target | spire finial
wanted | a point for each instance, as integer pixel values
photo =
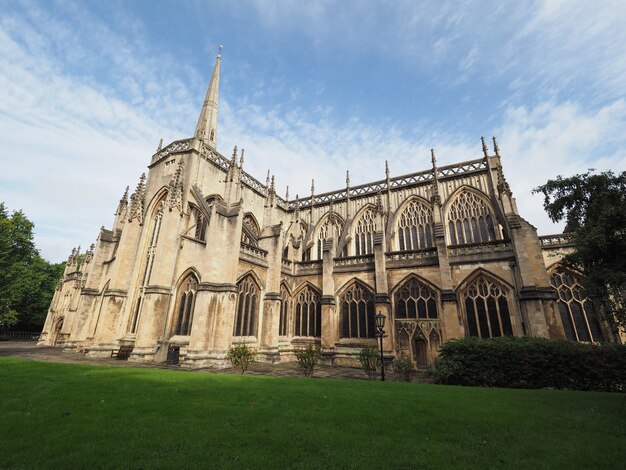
(348, 178)
(160, 145)
(312, 187)
(219, 50)
(267, 179)
(234, 159)
(287, 194)
(241, 159)
(485, 151)
(387, 169)
(273, 185)
(496, 149)
(206, 128)
(433, 159)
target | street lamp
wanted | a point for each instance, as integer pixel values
(380, 333)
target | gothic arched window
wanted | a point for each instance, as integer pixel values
(185, 305)
(285, 303)
(487, 309)
(199, 224)
(331, 228)
(308, 313)
(358, 317)
(250, 230)
(247, 308)
(470, 220)
(415, 300)
(415, 227)
(364, 233)
(580, 321)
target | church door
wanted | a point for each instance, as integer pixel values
(420, 352)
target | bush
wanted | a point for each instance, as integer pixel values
(529, 362)
(369, 360)
(308, 357)
(241, 356)
(404, 367)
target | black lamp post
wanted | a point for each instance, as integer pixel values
(380, 333)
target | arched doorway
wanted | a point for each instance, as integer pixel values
(420, 350)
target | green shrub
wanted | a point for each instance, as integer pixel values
(530, 362)
(241, 356)
(369, 359)
(308, 357)
(404, 367)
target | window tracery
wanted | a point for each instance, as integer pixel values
(416, 300)
(579, 319)
(308, 313)
(199, 224)
(329, 229)
(470, 220)
(247, 308)
(415, 227)
(358, 312)
(186, 303)
(250, 230)
(364, 233)
(487, 309)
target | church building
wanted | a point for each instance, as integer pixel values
(202, 256)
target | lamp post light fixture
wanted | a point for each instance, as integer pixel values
(380, 333)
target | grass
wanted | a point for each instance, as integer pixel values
(76, 416)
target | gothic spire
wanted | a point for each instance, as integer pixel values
(206, 129)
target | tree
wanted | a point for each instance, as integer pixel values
(594, 207)
(27, 281)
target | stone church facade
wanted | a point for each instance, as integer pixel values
(202, 256)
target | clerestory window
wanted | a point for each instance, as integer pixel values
(470, 220)
(415, 227)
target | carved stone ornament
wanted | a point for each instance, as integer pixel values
(136, 208)
(175, 187)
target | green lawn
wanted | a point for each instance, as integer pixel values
(75, 416)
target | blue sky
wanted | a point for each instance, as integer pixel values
(309, 89)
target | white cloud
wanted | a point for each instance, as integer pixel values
(83, 104)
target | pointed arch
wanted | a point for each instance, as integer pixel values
(470, 217)
(260, 284)
(362, 229)
(190, 270)
(415, 298)
(327, 228)
(246, 316)
(486, 300)
(414, 224)
(250, 229)
(285, 309)
(153, 206)
(186, 291)
(578, 316)
(357, 310)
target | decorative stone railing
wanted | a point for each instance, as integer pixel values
(176, 146)
(309, 265)
(254, 251)
(411, 255)
(354, 260)
(287, 263)
(557, 240)
(480, 248)
(411, 179)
